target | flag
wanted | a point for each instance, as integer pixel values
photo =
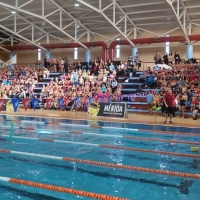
(25, 103)
(110, 99)
(118, 98)
(102, 99)
(12, 61)
(1, 103)
(15, 103)
(48, 102)
(66, 102)
(76, 100)
(131, 97)
(90, 100)
(34, 103)
(60, 103)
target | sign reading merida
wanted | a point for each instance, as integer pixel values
(117, 110)
(113, 108)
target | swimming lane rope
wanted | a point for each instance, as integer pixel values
(105, 164)
(60, 189)
(111, 147)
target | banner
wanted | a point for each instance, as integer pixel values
(48, 103)
(26, 103)
(15, 103)
(1, 104)
(107, 109)
(60, 103)
(12, 61)
(34, 103)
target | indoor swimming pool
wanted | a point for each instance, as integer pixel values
(94, 159)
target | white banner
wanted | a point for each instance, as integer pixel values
(12, 61)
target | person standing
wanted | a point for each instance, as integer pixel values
(177, 58)
(66, 69)
(170, 58)
(137, 60)
(149, 99)
(157, 58)
(165, 58)
(169, 101)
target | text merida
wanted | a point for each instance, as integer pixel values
(113, 108)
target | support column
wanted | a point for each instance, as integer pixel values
(11, 56)
(189, 51)
(88, 55)
(134, 51)
(48, 55)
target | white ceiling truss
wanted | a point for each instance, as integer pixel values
(123, 21)
(49, 21)
(182, 16)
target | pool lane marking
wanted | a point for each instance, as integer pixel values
(104, 164)
(125, 136)
(111, 147)
(140, 138)
(107, 127)
(60, 189)
(35, 122)
(65, 124)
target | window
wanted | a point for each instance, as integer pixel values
(118, 50)
(39, 54)
(75, 53)
(167, 46)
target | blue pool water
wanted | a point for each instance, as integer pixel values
(110, 181)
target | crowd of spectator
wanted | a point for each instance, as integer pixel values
(80, 79)
(97, 79)
(182, 77)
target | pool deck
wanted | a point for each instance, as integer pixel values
(132, 118)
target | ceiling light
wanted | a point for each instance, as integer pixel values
(76, 4)
(13, 12)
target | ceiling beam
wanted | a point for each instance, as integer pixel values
(112, 21)
(142, 4)
(20, 36)
(146, 11)
(17, 9)
(186, 20)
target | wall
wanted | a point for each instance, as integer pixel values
(146, 51)
(4, 56)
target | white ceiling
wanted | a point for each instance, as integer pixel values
(148, 15)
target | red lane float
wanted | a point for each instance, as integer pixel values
(53, 123)
(17, 121)
(45, 140)
(151, 151)
(75, 132)
(130, 148)
(29, 128)
(63, 189)
(142, 169)
(105, 164)
(95, 126)
(170, 132)
(161, 140)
